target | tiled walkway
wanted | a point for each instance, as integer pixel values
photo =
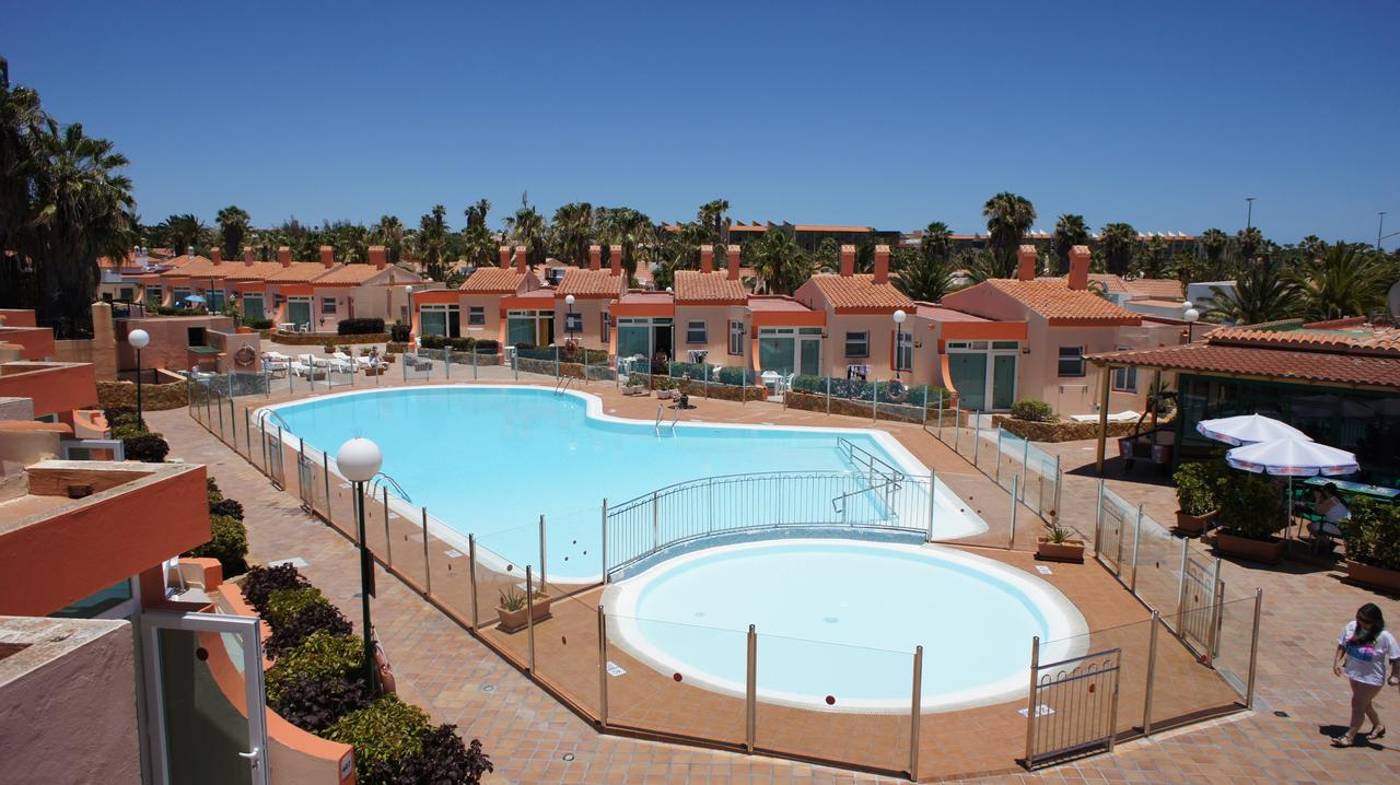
(534, 739)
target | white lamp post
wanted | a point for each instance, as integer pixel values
(569, 319)
(359, 460)
(138, 339)
(1191, 315)
(899, 317)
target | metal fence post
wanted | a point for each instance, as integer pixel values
(556, 362)
(1059, 481)
(751, 692)
(957, 424)
(388, 539)
(1137, 544)
(1025, 464)
(1000, 432)
(1015, 485)
(1253, 648)
(530, 617)
(655, 523)
(875, 401)
(427, 563)
(1030, 702)
(605, 540)
(544, 580)
(1098, 519)
(247, 434)
(932, 502)
(471, 576)
(828, 395)
(476, 373)
(1151, 674)
(925, 409)
(977, 438)
(916, 710)
(940, 415)
(326, 470)
(602, 668)
(1181, 589)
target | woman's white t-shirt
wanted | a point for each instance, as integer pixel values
(1366, 661)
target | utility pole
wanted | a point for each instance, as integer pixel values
(1249, 215)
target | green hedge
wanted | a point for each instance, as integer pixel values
(1372, 534)
(228, 543)
(1032, 410)
(359, 326)
(1199, 485)
(321, 655)
(383, 734)
(1250, 506)
(858, 390)
(283, 605)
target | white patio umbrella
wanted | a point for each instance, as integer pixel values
(1248, 429)
(1292, 458)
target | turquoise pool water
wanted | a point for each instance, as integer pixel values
(491, 460)
(840, 619)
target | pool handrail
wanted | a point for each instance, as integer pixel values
(381, 478)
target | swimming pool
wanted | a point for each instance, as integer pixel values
(838, 620)
(491, 459)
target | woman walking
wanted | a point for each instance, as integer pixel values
(1362, 652)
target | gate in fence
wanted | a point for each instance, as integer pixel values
(272, 446)
(1111, 530)
(1198, 617)
(1073, 705)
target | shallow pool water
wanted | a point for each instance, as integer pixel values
(838, 622)
(492, 460)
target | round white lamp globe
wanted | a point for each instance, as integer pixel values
(359, 459)
(900, 316)
(569, 300)
(1191, 314)
(139, 339)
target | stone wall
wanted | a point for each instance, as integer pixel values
(321, 339)
(899, 412)
(723, 392)
(154, 397)
(1065, 430)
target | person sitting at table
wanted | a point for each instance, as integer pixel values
(1328, 503)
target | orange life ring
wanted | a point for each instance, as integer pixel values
(245, 356)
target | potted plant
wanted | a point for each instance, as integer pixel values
(329, 348)
(1251, 513)
(1060, 546)
(514, 610)
(1372, 536)
(1198, 495)
(634, 386)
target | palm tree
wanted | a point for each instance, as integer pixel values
(389, 233)
(1153, 259)
(778, 261)
(925, 277)
(21, 126)
(1347, 281)
(233, 228)
(83, 210)
(1118, 243)
(432, 243)
(712, 216)
(937, 242)
(527, 227)
(1312, 247)
(479, 245)
(628, 228)
(573, 231)
(1009, 217)
(1249, 242)
(1261, 294)
(184, 232)
(1070, 230)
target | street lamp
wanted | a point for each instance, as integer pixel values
(138, 339)
(569, 319)
(1191, 315)
(1249, 215)
(899, 317)
(359, 460)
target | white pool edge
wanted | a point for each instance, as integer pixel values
(1066, 633)
(594, 409)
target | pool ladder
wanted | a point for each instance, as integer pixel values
(661, 416)
(563, 384)
(383, 479)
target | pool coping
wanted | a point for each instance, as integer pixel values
(593, 407)
(1067, 632)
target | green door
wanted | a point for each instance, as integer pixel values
(1003, 381)
(811, 356)
(299, 313)
(969, 372)
(253, 306)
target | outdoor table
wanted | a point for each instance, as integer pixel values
(1356, 488)
(287, 327)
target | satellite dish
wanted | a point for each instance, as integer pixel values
(1392, 299)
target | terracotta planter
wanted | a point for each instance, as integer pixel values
(1067, 551)
(1194, 525)
(515, 621)
(1374, 577)
(1266, 551)
(377, 370)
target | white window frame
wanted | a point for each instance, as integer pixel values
(1125, 377)
(737, 333)
(1060, 358)
(325, 301)
(476, 315)
(690, 330)
(863, 338)
(904, 350)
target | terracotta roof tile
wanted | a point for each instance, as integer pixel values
(693, 286)
(257, 271)
(493, 280)
(356, 273)
(859, 292)
(590, 283)
(299, 272)
(182, 266)
(1053, 300)
(1155, 289)
(1359, 340)
(1282, 364)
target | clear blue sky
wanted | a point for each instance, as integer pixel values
(892, 115)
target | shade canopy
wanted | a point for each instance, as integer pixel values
(1293, 458)
(194, 298)
(1249, 429)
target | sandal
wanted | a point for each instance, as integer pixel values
(1377, 732)
(1344, 741)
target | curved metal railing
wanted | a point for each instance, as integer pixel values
(695, 509)
(381, 479)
